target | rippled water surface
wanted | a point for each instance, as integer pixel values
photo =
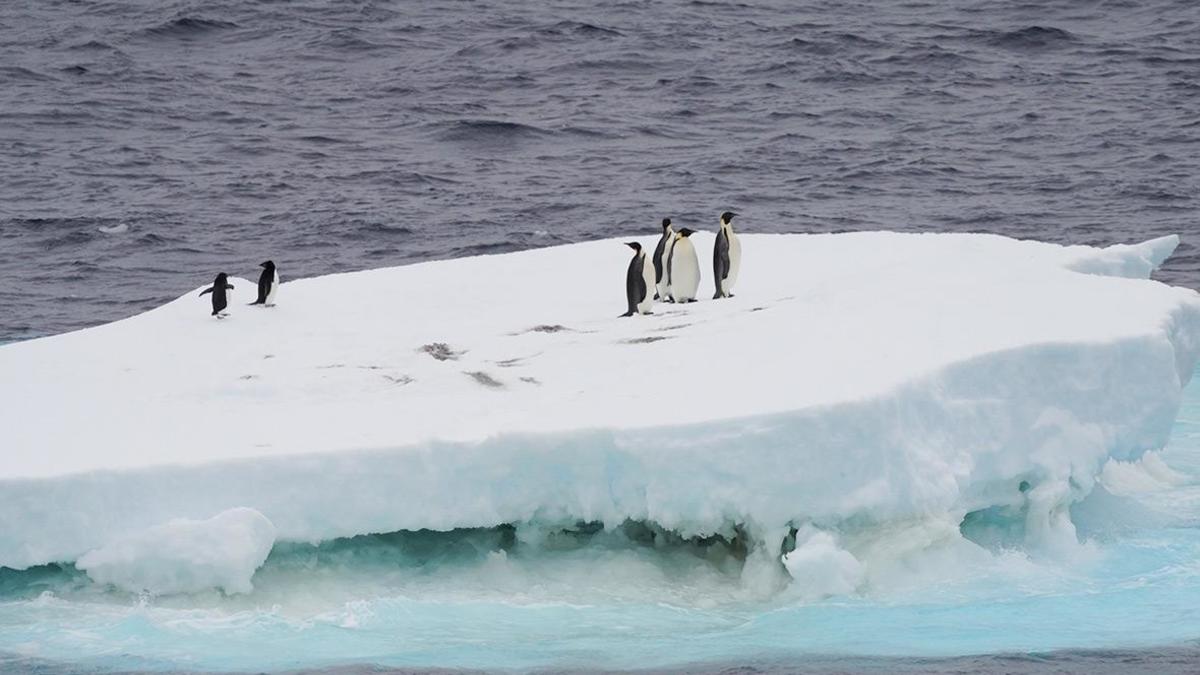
(146, 144)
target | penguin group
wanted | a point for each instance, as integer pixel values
(673, 272)
(670, 274)
(268, 286)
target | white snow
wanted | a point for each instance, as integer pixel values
(855, 378)
(184, 555)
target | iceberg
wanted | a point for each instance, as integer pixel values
(184, 555)
(857, 383)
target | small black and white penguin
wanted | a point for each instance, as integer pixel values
(727, 257)
(268, 284)
(639, 279)
(219, 298)
(683, 268)
(660, 262)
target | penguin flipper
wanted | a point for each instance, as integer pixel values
(205, 292)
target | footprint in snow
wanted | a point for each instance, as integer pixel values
(441, 351)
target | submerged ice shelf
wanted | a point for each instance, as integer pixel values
(857, 381)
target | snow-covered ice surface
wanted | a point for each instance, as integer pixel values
(925, 419)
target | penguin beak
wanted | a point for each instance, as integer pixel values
(631, 244)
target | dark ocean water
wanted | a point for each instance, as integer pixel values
(147, 144)
(341, 135)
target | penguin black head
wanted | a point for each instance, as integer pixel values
(634, 245)
(666, 223)
(685, 232)
(727, 216)
(221, 278)
(268, 264)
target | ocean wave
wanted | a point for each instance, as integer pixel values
(1032, 37)
(579, 28)
(486, 130)
(94, 45)
(26, 74)
(186, 27)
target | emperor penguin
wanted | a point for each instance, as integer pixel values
(639, 279)
(219, 299)
(268, 284)
(660, 260)
(727, 257)
(683, 268)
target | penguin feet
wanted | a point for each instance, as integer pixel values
(656, 296)
(629, 313)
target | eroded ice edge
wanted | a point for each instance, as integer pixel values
(877, 407)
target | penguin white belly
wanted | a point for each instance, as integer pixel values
(274, 289)
(685, 271)
(647, 302)
(664, 288)
(735, 262)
